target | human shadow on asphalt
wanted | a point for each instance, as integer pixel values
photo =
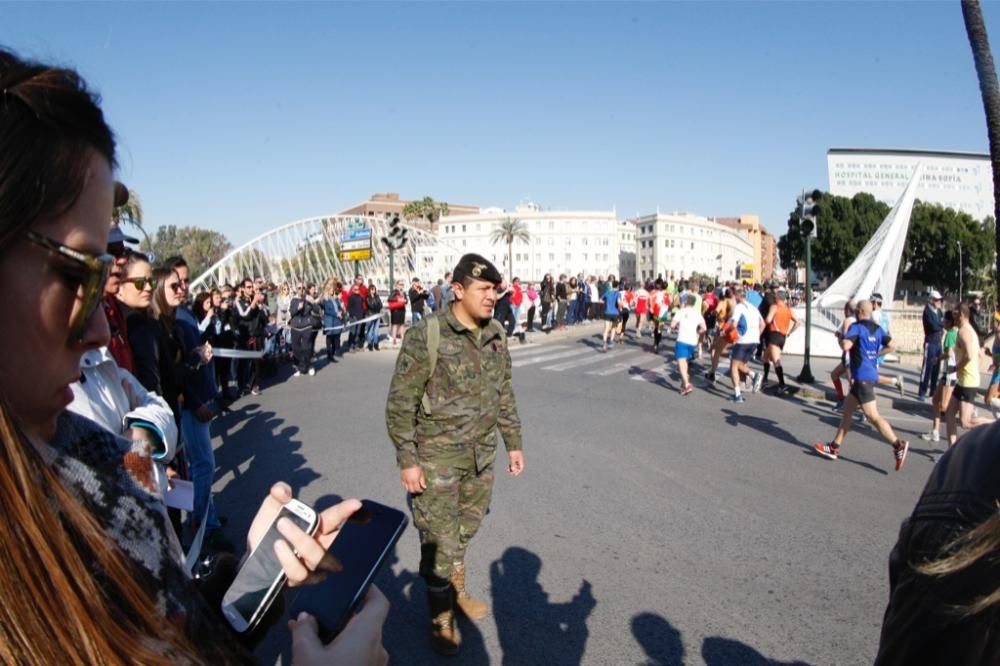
(664, 647)
(660, 639)
(718, 651)
(532, 629)
(770, 427)
(249, 434)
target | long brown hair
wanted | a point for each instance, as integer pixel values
(970, 547)
(53, 609)
(160, 308)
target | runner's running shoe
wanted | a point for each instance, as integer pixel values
(830, 451)
(932, 436)
(901, 386)
(687, 389)
(899, 451)
(838, 406)
(758, 380)
(738, 399)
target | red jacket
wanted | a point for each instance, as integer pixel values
(516, 296)
(118, 345)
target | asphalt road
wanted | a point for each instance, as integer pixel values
(648, 528)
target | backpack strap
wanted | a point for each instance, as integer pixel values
(433, 342)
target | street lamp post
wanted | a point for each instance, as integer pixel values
(808, 221)
(959, 271)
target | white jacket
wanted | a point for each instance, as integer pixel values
(114, 399)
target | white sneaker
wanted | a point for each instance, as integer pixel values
(312, 372)
(932, 436)
(297, 374)
(758, 379)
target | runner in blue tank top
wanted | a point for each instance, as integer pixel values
(865, 342)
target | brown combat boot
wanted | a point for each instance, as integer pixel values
(472, 608)
(444, 632)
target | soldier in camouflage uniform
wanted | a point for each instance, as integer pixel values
(444, 427)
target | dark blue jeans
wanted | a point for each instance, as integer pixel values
(929, 376)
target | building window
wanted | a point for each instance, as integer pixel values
(552, 225)
(463, 228)
(552, 257)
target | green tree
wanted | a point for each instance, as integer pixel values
(975, 28)
(425, 208)
(932, 246)
(200, 247)
(509, 230)
(843, 226)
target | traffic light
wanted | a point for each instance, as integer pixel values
(397, 234)
(810, 211)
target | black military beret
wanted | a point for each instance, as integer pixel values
(476, 267)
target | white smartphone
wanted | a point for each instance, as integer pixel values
(260, 578)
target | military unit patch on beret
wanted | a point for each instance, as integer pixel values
(476, 267)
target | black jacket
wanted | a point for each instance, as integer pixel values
(920, 626)
(157, 356)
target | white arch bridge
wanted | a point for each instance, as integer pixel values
(308, 251)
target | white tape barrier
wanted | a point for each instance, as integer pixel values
(343, 327)
(221, 352)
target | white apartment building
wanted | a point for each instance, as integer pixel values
(560, 242)
(684, 243)
(627, 245)
(961, 181)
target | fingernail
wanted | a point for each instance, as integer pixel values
(303, 616)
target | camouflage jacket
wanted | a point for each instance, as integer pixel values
(470, 396)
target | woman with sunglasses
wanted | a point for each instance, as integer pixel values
(152, 349)
(90, 571)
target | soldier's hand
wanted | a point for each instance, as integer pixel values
(412, 480)
(516, 464)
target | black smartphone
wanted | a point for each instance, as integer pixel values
(362, 547)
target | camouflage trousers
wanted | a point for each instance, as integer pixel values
(448, 514)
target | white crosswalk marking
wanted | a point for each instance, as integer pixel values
(541, 358)
(597, 358)
(627, 365)
(520, 349)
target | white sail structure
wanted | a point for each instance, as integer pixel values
(877, 265)
(873, 271)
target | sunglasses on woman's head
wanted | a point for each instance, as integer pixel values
(88, 270)
(140, 283)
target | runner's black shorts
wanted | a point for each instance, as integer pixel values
(776, 339)
(743, 352)
(966, 393)
(864, 392)
(612, 318)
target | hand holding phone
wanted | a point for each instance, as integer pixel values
(261, 576)
(361, 549)
(359, 643)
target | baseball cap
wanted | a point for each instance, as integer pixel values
(935, 295)
(116, 235)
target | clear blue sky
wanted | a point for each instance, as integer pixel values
(241, 117)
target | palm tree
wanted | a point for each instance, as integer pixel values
(510, 230)
(425, 208)
(130, 213)
(975, 28)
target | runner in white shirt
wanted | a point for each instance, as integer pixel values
(689, 325)
(748, 323)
